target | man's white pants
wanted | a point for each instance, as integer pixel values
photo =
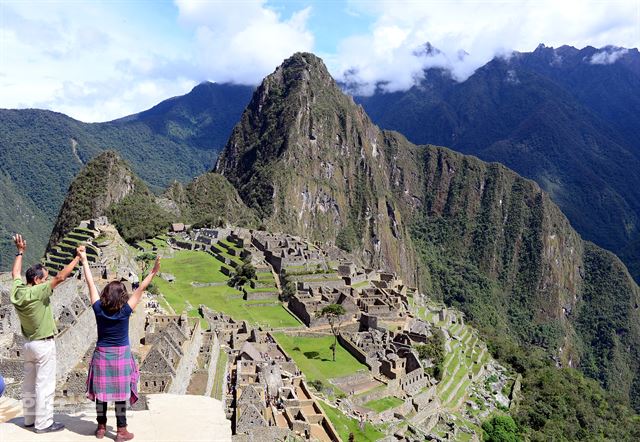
(39, 386)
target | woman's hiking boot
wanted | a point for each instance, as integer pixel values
(123, 435)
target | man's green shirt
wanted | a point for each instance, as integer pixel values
(34, 309)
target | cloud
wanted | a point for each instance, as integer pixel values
(388, 56)
(87, 60)
(607, 56)
(242, 42)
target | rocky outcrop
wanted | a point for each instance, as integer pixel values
(105, 180)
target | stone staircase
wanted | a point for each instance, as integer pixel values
(65, 250)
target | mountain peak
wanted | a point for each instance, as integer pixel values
(311, 162)
(105, 180)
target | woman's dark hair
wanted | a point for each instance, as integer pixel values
(113, 297)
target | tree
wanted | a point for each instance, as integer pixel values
(333, 313)
(288, 287)
(500, 429)
(433, 350)
(245, 273)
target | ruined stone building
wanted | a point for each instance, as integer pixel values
(270, 399)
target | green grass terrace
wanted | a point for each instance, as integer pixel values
(195, 266)
(314, 358)
(383, 404)
(345, 425)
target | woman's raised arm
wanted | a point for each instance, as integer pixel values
(137, 294)
(93, 291)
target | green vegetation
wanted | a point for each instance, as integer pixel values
(345, 425)
(138, 217)
(561, 404)
(500, 429)
(333, 313)
(607, 324)
(383, 404)
(433, 350)
(314, 357)
(219, 380)
(586, 112)
(210, 200)
(195, 266)
(176, 140)
(244, 274)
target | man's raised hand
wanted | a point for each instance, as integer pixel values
(21, 243)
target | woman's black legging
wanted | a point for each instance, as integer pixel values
(121, 413)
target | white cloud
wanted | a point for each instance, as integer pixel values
(483, 29)
(607, 56)
(86, 60)
(103, 60)
(242, 42)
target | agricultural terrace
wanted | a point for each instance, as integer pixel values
(199, 280)
(314, 358)
(345, 425)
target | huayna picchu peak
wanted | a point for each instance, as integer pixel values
(310, 162)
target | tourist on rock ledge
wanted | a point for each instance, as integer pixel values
(113, 373)
(32, 303)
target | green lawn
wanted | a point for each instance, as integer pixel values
(345, 425)
(219, 381)
(314, 357)
(384, 404)
(188, 266)
(261, 289)
(265, 277)
(229, 244)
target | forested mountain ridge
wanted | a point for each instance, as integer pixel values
(566, 118)
(41, 152)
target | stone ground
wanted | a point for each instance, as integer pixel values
(169, 418)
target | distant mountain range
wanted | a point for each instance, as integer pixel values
(41, 152)
(567, 118)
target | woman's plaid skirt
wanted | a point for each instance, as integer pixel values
(113, 375)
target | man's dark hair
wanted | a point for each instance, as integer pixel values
(113, 297)
(33, 272)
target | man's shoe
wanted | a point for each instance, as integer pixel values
(56, 426)
(29, 426)
(100, 431)
(123, 435)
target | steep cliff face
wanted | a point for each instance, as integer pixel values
(105, 180)
(474, 234)
(211, 200)
(483, 215)
(308, 160)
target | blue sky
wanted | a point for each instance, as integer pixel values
(100, 60)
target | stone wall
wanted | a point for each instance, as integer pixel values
(372, 396)
(373, 364)
(136, 325)
(266, 434)
(253, 296)
(187, 362)
(74, 342)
